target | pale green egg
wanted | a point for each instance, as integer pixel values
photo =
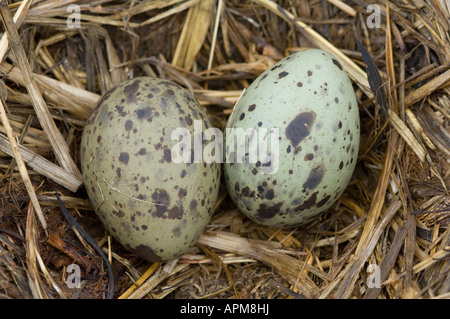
(153, 205)
(308, 99)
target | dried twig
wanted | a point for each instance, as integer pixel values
(56, 139)
(19, 159)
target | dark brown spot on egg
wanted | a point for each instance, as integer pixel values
(341, 165)
(236, 187)
(270, 194)
(309, 157)
(161, 201)
(245, 191)
(104, 98)
(266, 212)
(300, 127)
(175, 212)
(130, 91)
(128, 125)
(189, 98)
(262, 78)
(119, 213)
(183, 173)
(118, 172)
(336, 62)
(309, 73)
(276, 67)
(242, 116)
(251, 107)
(323, 201)
(119, 109)
(336, 100)
(310, 202)
(167, 155)
(99, 138)
(170, 84)
(283, 74)
(145, 113)
(188, 120)
(182, 193)
(124, 157)
(314, 178)
(299, 84)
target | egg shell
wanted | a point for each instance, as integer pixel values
(309, 98)
(153, 206)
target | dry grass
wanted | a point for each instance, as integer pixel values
(394, 214)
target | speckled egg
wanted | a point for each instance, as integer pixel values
(154, 206)
(304, 111)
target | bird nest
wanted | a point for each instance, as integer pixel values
(386, 237)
